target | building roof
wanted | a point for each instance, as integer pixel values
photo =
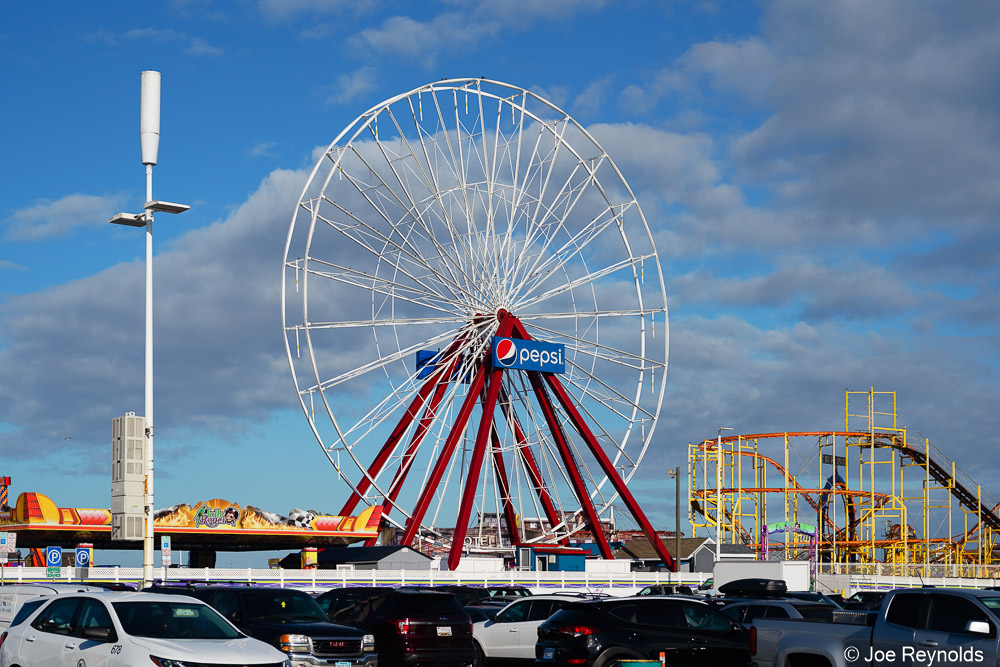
(362, 554)
(642, 549)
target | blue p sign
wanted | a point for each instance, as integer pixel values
(53, 556)
(83, 556)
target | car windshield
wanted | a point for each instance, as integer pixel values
(283, 605)
(173, 620)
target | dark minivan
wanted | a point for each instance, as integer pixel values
(411, 627)
(600, 633)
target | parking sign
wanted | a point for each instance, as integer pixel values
(53, 556)
(83, 556)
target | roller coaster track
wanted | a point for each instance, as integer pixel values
(943, 476)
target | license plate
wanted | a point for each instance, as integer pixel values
(444, 631)
(549, 654)
(341, 663)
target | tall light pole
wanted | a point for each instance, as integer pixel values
(675, 474)
(149, 140)
(718, 494)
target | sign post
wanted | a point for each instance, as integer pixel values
(53, 562)
(165, 550)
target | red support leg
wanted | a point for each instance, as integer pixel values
(602, 458)
(529, 461)
(475, 464)
(579, 488)
(437, 377)
(504, 485)
(458, 428)
(478, 454)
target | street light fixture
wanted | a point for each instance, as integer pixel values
(149, 139)
(718, 493)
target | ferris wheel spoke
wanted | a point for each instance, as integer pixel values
(582, 280)
(352, 232)
(404, 321)
(413, 253)
(422, 174)
(569, 250)
(572, 247)
(384, 361)
(589, 347)
(348, 276)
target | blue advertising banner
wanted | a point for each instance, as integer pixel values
(529, 355)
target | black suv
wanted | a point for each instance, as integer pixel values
(287, 619)
(411, 626)
(599, 633)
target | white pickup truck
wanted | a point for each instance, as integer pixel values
(923, 626)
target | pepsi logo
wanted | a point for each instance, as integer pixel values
(506, 352)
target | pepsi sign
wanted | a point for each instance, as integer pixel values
(529, 355)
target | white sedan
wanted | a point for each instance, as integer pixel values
(512, 632)
(113, 629)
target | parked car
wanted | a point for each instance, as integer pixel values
(507, 593)
(289, 620)
(600, 633)
(478, 595)
(410, 626)
(666, 589)
(868, 599)
(12, 596)
(747, 611)
(510, 633)
(116, 629)
(912, 626)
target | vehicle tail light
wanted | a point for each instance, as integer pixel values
(575, 630)
(753, 640)
(403, 626)
(576, 661)
(2, 638)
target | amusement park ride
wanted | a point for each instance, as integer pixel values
(465, 296)
(871, 493)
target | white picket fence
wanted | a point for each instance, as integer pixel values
(319, 580)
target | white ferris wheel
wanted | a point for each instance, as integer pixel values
(437, 224)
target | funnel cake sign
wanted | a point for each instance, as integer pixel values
(213, 517)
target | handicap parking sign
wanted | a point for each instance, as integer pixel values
(53, 556)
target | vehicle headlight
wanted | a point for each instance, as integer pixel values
(294, 643)
(368, 643)
(167, 662)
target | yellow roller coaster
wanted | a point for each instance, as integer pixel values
(867, 494)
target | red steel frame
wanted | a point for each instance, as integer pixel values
(486, 386)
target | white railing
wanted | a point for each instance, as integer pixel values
(614, 583)
(861, 578)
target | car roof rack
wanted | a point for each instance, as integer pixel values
(754, 587)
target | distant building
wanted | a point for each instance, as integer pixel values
(366, 558)
(697, 554)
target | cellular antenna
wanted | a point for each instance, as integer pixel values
(149, 116)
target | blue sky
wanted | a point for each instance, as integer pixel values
(820, 178)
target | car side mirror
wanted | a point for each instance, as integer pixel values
(978, 627)
(98, 634)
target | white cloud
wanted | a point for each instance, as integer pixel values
(61, 217)
(352, 86)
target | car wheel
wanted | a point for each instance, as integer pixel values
(480, 656)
